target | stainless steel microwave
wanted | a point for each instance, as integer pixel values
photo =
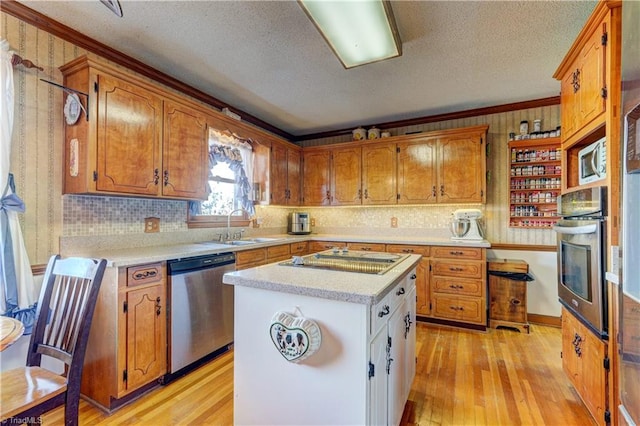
(592, 162)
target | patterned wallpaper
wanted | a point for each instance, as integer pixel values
(36, 161)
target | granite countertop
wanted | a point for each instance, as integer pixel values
(350, 287)
(124, 257)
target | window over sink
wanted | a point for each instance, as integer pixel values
(229, 183)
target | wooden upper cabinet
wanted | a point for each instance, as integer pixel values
(129, 128)
(346, 176)
(583, 78)
(379, 169)
(462, 168)
(316, 176)
(138, 139)
(417, 182)
(294, 183)
(285, 175)
(184, 151)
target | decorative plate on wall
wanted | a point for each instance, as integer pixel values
(295, 337)
(72, 109)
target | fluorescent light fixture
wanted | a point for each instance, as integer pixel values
(359, 32)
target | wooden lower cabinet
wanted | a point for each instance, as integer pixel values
(584, 358)
(127, 349)
(261, 256)
(316, 246)
(458, 278)
(366, 246)
(423, 297)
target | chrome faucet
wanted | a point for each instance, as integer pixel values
(228, 234)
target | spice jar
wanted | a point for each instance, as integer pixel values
(524, 127)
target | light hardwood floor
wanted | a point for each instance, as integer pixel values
(501, 377)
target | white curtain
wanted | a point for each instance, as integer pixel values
(246, 151)
(18, 295)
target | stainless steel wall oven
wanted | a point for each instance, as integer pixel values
(581, 256)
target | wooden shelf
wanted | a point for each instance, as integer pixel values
(531, 171)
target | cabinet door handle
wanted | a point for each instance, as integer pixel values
(328, 195)
(433, 190)
(576, 80)
(359, 194)
(158, 306)
(156, 176)
(407, 324)
(366, 194)
(414, 276)
(400, 291)
(441, 189)
(166, 177)
(384, 311)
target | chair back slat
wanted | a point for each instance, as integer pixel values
(67, 299)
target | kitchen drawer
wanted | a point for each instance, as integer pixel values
(145, 274)
(316, 246)
(457, 286)
(278, 252)
(408, 249)
(466, 253)
(458, 269)
(381, 311)
(460, 308)
(366, 246)
(298, 249)
(253, 257)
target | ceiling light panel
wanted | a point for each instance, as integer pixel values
(358, 32)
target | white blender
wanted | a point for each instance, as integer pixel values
(465, 226)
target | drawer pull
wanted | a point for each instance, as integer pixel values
(407, 250)
(456, 253)
(456, 308)
(400, 291)
(456, 286)
(365, 248)
(384, 311)
(456, 269)
(145, 274)
(414, 276)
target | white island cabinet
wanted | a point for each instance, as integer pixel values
(364, 364)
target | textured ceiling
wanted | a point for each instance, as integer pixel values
(267, 58)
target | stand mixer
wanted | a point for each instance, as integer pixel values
(464, 225)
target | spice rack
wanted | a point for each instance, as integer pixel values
(535, 172)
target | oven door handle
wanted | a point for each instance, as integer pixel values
(576, 230)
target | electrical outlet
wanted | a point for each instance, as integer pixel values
(394, 222)
(313, 222)
(152, 224)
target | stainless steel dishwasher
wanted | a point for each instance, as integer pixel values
(200, 320)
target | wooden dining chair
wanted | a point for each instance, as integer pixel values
(61, 331)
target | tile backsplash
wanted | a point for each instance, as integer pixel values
(98, 215)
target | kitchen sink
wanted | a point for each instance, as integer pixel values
(248, 241)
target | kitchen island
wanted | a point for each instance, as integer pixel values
(362, 326)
